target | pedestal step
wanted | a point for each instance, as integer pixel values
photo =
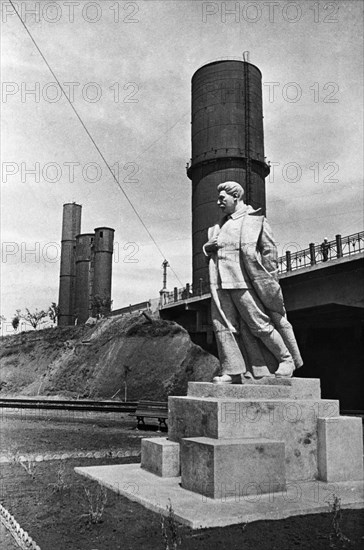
(232, 468)
(266, 388)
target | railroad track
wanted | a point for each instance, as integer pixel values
(90, 405)
(69, 405)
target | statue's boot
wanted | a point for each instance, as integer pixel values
(262, 372)
(228, 379)
(285, 369)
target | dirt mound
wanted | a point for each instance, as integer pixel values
(158, 356)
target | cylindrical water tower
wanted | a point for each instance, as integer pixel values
(71, 227)
(103, 251)
(84, 276)
(227, 144)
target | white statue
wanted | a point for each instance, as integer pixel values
(252, 332)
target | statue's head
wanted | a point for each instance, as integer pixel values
(230, 195)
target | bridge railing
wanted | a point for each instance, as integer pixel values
(182, 294)
(324, 252)
(353, 244)
(291, 261)
(132, 308)
(295, 260)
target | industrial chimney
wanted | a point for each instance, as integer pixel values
(71, 227)
(103, 251)
(227, 144)
(84, 276)
(86, 269)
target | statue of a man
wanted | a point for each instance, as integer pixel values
(254, 337)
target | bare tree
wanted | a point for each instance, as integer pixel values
(16, 320)
(100, 305)
(54, 312)
(33, 318)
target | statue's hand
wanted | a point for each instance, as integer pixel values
(211, 246)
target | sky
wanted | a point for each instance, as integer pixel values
(127, 68)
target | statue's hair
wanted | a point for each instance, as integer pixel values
(231, 187)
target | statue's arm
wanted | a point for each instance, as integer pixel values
(268, 250)
(211, 246)
(208, 254)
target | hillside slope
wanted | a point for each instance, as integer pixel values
(89, 362)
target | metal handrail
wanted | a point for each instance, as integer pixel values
(324, 252)
(315, 254)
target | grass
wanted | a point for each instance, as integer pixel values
(337, 537)
(171, 530)
(96, 500)
(60, 485)
(28, 465)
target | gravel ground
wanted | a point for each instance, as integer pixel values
(50, 501)
(51, 432)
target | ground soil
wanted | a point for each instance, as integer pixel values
(52, 506)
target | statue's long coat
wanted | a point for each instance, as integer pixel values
(258, 252)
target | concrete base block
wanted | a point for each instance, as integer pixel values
(266, 388)
(234, 467)
(293, 421)
(161, 456)
(340, 449)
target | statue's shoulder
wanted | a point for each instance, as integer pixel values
(255, 216)
(255, 212)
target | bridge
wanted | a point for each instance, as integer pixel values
(329, 254)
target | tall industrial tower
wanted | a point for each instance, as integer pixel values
(84, 276)
(103, 251)
(227, 144)
(86, 269)
(71, 227)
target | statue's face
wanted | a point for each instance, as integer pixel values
(227, 203)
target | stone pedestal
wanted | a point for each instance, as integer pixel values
(274, 410)
(269, 449)
(255, 435)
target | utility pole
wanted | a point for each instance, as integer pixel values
(164, 290)
(126, 372)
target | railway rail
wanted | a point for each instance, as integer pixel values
(69, 405)
(93, 405)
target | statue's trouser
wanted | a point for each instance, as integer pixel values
(245, 304)
(285, 329)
